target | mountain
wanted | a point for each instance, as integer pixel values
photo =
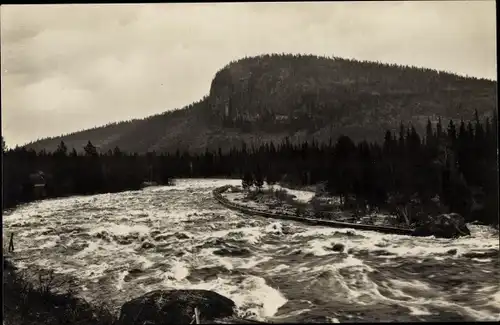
(271, 97)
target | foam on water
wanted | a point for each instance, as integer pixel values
(251, 295)
(317, 248)
(82, 237)
(121, 229)
(495, 296)
(251, 235)
(254, 262)
(403, 246)
(418, 311)
(120, 280)
(197, 184)
(92, 247)
(49, 244)
(275, 228)
(279, 268)
(179, 270)
(144, 262)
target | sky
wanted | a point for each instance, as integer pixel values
(70, 67)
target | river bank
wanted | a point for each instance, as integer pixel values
(25, 302)
(318, 208)
(285, 212)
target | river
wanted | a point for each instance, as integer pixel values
(113, 247)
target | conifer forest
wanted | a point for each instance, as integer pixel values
(454, 164)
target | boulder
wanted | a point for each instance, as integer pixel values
(161, 237)
(132, 274)
(181, 235)
(135, 270)
(155, 233)
(206, 274)
(124, 241)
(162, 307)
(381, 252)
(147, 245)
(338, 247)
(490, 253)
(451, 225)
(233, 251)
(213, 242)
(452, 251)
(104, 235)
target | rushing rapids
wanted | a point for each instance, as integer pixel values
(114, 247)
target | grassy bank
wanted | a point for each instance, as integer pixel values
(28, 303)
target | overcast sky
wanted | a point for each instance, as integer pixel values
(70, 67)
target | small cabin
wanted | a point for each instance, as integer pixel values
(38, 182)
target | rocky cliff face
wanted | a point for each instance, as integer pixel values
(340, 93)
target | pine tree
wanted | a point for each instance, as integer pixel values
(487, 129)
(90, 150)
(452, 133)
(271, 176)
(429, 137)
(258, 179)
(117, 152)
(401, 140)
(247, 180)
(479, 139)
(414, 142)
(4, 146)
(470, 133)
(61, 149)
(388, 143)
(439, 129)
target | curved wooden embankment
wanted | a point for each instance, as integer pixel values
(217, 193)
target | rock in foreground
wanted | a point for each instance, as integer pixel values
(450, 225)
(161, 307)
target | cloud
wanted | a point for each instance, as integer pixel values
(70, 67)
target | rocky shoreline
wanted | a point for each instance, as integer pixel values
(444, 226)
(217, 193)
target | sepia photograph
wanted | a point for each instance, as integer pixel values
(250, 162)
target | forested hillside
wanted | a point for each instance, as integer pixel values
(304, 97)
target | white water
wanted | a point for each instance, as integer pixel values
(289, 274)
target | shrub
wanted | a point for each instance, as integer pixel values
(25, 303)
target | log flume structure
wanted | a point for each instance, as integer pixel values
(217, 193)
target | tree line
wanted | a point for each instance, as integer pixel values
(71, 173)
(452, 168)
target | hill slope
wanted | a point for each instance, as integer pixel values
(270, 97)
